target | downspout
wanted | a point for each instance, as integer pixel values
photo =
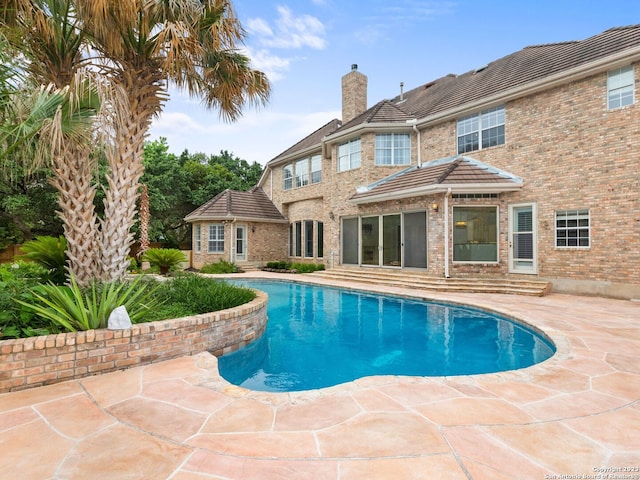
(415, 129)
(446, 232)
(232, 249)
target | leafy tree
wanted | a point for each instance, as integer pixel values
(179, 185)
(136, 49)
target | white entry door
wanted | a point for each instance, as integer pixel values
(241, 243)
(522, 239)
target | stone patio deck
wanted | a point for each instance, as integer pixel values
(577, 413)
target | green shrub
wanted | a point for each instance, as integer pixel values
(50, 252)
(166, 259)
(298, 267)
(74, 308)
(195, 294)
(220, 267)
(15, 320)
(306, 267)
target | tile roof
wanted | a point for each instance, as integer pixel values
(311, 140)
(528, 65)
(230, 204)
(461, 174)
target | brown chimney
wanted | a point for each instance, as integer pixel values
(354, 94)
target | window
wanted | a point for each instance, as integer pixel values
(298, 239)
(316, 169)
(320, 242)
(572, 228)
(287, 177)
(620, 87)
(308, 238)
(393, 149)
(291, 240)
(197, 240)
(475, 234)
(302, 172)
(349, 155)
(482, 130)
(216, 238)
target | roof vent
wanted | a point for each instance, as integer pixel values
(480, 69)
(401, 91)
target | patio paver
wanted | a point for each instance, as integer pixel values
(574, 413)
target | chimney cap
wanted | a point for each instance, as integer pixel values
(354, 66)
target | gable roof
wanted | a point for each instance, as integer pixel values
(461, 174)
(311, 141)
(525, 67)
(253, 205)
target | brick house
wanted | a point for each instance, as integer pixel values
(526, 167)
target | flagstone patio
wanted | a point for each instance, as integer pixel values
(577, 413)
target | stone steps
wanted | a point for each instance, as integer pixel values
(423, 282)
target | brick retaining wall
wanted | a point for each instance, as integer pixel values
(36, 361)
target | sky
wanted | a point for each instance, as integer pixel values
(306, 46)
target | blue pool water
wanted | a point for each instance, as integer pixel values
(318, 337)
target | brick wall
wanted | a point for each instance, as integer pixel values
(36, 361)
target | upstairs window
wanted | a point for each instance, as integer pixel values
(287, 177)
(620, 87)
(393, 149)
(349, 155)
(316, 169)
(572, 229)
(302, 172)
(481, 130)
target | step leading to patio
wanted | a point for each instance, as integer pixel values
(420, 281)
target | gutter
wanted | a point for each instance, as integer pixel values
(607, 63)
(440, 188)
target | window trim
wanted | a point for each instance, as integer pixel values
(219, 227)
(393, 149)
(287, 179)
(577, 214)
(477, 121)
(197, 238)
(350, 155)
(477, 262)
(616, 76)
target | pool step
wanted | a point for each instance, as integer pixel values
(419, 281)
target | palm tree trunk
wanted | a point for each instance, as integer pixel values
(76, 191)
(125, 170)
(144, 220)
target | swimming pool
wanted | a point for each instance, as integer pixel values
(318, 337)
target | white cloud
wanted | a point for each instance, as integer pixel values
(257, 136)
(290, 32)
(273, 65)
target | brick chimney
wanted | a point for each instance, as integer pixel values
(354, 94)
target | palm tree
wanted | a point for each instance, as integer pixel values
(146, 45)
(140, 47)
(48, 35)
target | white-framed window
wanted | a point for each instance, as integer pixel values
(573, 228)
(475, 234)
(216, 238)
(287, 177)
(481, 130)
(197, 239)
(316, 169)
(393, 149)
(620, 87)
(349, 155)
(302, 172)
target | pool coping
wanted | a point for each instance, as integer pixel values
(577, 413)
